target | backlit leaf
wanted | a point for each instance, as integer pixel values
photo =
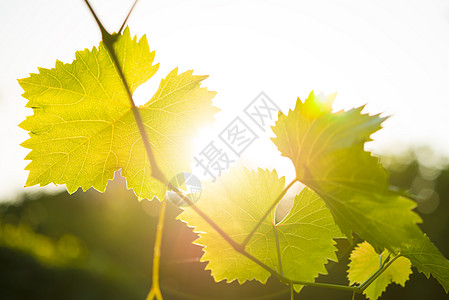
(365, 262)
(327, 150)
(236, 202)
(83, 129)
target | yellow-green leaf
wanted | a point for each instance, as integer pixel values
(327, 150)
(83, 129)
(236, 202)
(365, 262)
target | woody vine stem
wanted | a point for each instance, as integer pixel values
(155, 292)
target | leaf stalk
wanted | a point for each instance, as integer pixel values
(269, 210)
(155, 291)
(376, 274)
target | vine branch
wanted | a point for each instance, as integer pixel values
(109, 40)
(156, 173)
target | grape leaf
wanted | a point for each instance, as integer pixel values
(236, 202)
(83, 129)
(428, 259)
(327, 150)
(365, 262)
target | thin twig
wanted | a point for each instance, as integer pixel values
(203, 215)
(155, 291)
(278, 249)
(126, 19)
(327, 285)
(273, 206)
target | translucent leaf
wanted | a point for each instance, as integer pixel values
(365, 262)
(327, 150)
(83, 129)
(236, 202)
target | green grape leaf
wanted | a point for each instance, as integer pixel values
(236, 202)
(327, 150)
(83, 129)
(365, 262)
(428, 259)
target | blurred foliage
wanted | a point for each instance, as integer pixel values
(99, 246)
(66, 251)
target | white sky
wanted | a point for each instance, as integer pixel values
(393, 55)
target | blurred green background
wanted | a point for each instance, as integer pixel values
(389, 54)
(99, 246)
